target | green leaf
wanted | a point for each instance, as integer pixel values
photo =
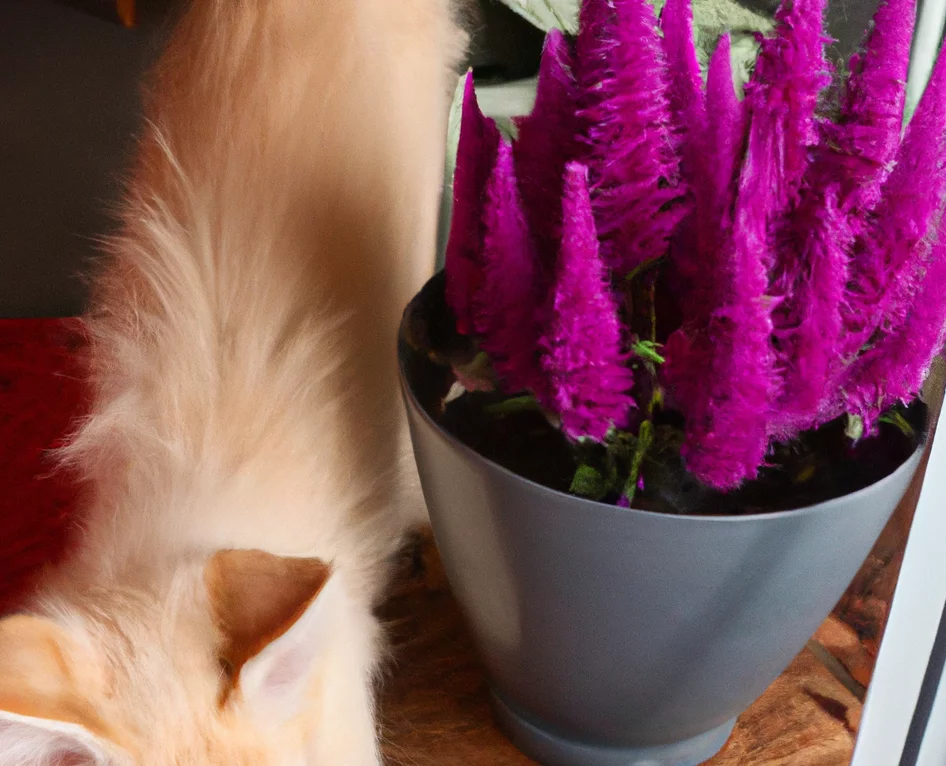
(744, 51)
(505, 101)
(513, 405)
(589, 483)
(647, 349)
(453, 130)
(548, 14)
(450, 165)
(895, 418)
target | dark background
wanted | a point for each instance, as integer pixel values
(69, 109)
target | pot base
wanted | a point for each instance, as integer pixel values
(550, 749)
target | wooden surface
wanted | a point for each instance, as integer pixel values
(435, 710)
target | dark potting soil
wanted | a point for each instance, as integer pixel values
(818, 466)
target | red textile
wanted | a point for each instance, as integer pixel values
(42, 391)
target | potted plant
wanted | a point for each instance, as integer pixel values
(663, 396)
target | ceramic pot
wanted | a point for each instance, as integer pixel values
(615, 637)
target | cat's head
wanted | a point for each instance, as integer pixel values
(245, 659)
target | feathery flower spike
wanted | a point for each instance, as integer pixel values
(896, 367)
(546, 142)
(626, 131)
(506, 308)
(888, 258)
(842, 186)
(703, 266)
(685, 94)
(476, 152)
(587, 371)
(868, 133)
(727, 426)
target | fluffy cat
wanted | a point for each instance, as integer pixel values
(242, 454)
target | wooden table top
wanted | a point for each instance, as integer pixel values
(435, 710)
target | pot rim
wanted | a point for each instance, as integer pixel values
(595, 506)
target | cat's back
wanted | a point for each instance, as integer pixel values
(282, 212)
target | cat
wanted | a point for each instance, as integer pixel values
(242, 460)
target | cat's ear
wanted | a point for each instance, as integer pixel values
(45, 717)
(273, 615)
(41, 742)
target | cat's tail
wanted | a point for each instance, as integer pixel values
(287, 177)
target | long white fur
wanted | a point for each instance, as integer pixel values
(281, 212)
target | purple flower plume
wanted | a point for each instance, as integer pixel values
(783, 98)
(790, 74)
(887, 259)
(687, 103)
(704, 265)
(806, 279)
(476, 152)
(865, 139)
(728, 415)
(546, 142)
(842, 185)
(725, 133)
(894, 369)
(808, 319)
(685, 93)
(728, 420)
(727, 425)
(582, 358)
(720, 146)
(506, 306)
(629, 144)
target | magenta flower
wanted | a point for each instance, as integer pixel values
(702, 261)
(476, 152)
(685, 94)
(790, 74)
(720, 145)
(688, 132)
(842, 185)
(728, 419)
(506, 308)
(888, 257)
(546, 142)
(863, 144)
(725, 139)
(628, 140)
(727, 432)
(804, 273)
(808, 320)
(894, 369)
(582, 358)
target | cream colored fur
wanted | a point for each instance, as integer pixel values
(280, 215)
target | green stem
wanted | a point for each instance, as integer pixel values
(513, 405)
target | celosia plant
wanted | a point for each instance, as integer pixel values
(651, 242)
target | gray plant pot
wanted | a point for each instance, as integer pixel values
(621, 637)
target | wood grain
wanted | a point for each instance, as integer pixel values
(435, 710)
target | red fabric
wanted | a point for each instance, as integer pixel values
(42, 391)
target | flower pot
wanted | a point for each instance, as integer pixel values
(614, 636)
